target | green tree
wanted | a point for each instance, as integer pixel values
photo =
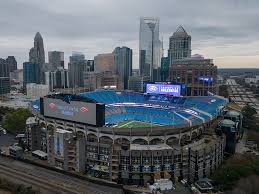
(235, 168)
(15, 121)
(249, 119)
(4, 111)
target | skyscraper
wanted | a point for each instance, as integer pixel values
(37, 55)
(4, 68)
(149, 46)
(164, 68)
(4, 77)
(30, 73)
(179, 45)
(57, 79)
(77, 66)
(12, 63)
(123, 63)
(104, 62)
(56, 60)
(90, 63)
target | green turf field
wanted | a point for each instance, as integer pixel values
(134, 124)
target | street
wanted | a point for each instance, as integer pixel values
(240, 147)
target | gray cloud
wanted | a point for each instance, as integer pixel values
(219, 29)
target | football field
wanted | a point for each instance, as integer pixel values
(133, 124)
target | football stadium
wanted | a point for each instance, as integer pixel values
(129, 137)
(128, 109)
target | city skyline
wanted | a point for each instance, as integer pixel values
(222, 35)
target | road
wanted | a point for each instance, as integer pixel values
(240, 147)
(240, 95)
(47, 181)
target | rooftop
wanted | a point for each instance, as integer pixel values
(233, 113)
(203, 184)
(40, 153)
(30, 120)
(15, 147)
(226, 122)
(180, 32)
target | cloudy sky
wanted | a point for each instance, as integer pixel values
(225, 30)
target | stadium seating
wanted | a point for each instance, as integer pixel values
(157, 109)
(164, 110)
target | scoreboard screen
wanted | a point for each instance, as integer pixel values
(169, 89)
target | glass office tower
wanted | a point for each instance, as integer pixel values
(123, 63)
(150, 46)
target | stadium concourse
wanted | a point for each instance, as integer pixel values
(173, 133)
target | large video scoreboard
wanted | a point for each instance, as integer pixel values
(163, 88)
(77, 111)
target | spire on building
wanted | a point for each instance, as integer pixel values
(38, 35)
(37, 55)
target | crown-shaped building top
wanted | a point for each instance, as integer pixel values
(180, 32)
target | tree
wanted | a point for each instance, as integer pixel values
(4, 111)
(248, 111)
(235, 168)
(249, 119)
(15, 121)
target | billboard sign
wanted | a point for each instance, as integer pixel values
(169, 89)
(77, 111)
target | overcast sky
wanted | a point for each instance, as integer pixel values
(225, 30)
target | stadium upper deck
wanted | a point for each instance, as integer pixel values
(156, 109)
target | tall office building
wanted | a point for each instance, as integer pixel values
(137, 82)
(77, 66)
(164, 68)
(90, 63)
(57, 79)
(104, 62)
(150, 47)
(199, 75)
(179, 45)
(123, 63)
(12, 63)
(17, 76)
(37, 55)
(56, 60)
(5, 86)
(30, 73)
(4, 77)
(4, 68)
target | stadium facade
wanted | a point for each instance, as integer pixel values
(131, 138)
